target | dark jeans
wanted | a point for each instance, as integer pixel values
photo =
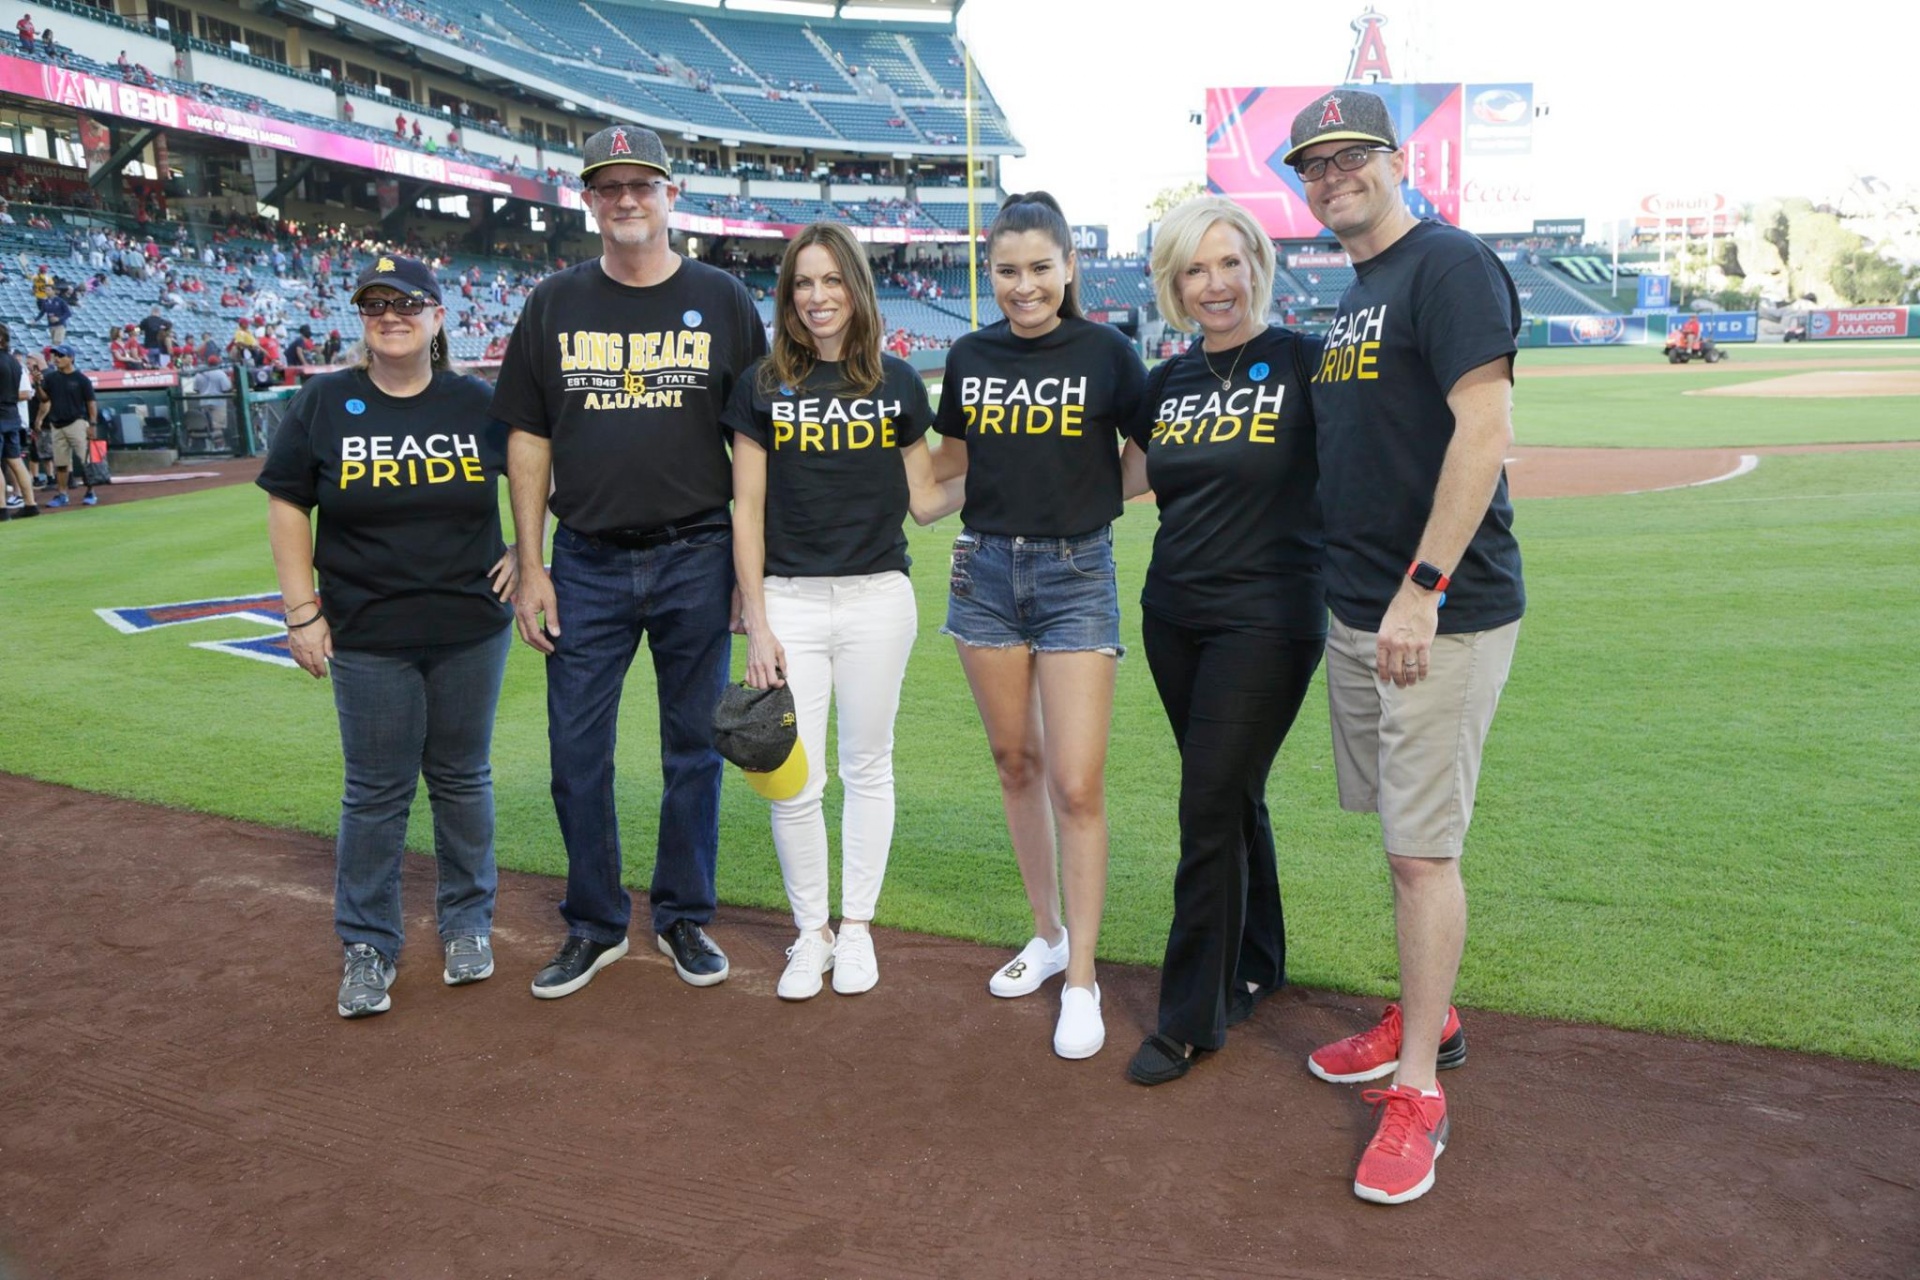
(404, 713)
(678, 597)
(1230, 696)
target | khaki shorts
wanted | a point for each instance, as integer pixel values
(70, 443)
(1413, 755)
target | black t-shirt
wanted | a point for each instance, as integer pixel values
(1435, 305)
(1042, 418)
(409, 506)
(1234, 472)
(836, 489)
(629, 384)
(68, 395)
(153, 330)
(10, 375)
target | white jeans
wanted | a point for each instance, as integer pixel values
(846, 638)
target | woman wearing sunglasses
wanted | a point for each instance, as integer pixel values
(401, 460)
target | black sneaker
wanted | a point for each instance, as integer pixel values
(574, 965)
(698, 962)
(1240, 1001)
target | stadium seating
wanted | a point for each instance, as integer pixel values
(862, 121)
(881, 53)
(787, 116)
(780, 53)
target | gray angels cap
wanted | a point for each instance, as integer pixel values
(625, 144)
(1342, 115)
(755, 728)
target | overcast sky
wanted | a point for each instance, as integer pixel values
(1642, 97)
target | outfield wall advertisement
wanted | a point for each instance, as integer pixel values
(1469, 152)
(1861, 322)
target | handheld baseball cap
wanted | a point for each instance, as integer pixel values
(408, 276)
(1342, 115)
(624, 144)
(757, 730)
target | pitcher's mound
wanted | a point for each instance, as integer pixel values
(1827, 383)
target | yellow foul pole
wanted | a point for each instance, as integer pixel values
(973, 206)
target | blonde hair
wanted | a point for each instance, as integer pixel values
(1178, 240)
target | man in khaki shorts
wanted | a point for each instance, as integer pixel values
(74, 415)
(1413, 400)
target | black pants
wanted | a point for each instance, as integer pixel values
(1230, 696)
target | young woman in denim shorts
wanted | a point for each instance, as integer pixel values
(1032, 410)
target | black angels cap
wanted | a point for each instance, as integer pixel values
(624, 144)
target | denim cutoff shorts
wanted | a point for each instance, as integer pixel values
(1052, 595)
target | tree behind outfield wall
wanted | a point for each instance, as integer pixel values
(1861, 277)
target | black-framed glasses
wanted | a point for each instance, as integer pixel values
(616, 191)
(372, 307)
(1346, 161)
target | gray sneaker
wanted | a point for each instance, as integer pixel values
(363, 989)
(469, 959)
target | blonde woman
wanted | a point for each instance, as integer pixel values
(828, 461)
(402, 461)
(1233, 616)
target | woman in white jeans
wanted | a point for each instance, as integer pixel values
(828, 461)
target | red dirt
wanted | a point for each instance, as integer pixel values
(178, 1098)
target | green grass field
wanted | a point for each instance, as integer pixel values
(1696, 814)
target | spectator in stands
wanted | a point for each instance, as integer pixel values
(822, 567)
(58, 310)
(400, 126)
(639, 482)
(154, 331)
(125, 351)
(1040, 503)
(42, 288)
(416, 130)
(330, 349)
(15, 390)
(243, 342)
(1233, 616)
(208, 351)
(416, 651)
(25, 28)
(123, 64)
(301, 351)
(47, 48)
(70, 410)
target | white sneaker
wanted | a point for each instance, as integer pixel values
(854, 968)
(1037, 961)
(1080, 1031)
(810, 956)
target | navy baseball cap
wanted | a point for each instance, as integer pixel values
(409, 277)
(63, 350)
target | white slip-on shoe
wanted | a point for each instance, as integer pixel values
(854, 968)
(1080, 1031)
(809, 957)
(1037, 961)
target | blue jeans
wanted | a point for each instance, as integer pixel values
(678, 597)
(403, 713)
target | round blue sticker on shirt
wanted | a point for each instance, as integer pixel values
(356, 406)
(1259, 372)
(691, 319)
(785, 390)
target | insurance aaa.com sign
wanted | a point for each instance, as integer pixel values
(1860, 322)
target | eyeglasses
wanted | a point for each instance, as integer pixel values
(614, 192)
(371, 307)
(1346, 161)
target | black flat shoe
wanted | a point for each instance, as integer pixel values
(1160, 1059)
(1240, 1002)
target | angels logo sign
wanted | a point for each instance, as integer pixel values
(1369, 61)
(1330, 114)
(263, 610)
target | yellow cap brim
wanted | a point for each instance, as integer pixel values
(785, 782)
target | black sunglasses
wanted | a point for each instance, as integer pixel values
(371, 307)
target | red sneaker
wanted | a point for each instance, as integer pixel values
(1397, 1165)
(1375, 1052)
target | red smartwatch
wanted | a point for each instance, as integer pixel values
(1427, 577)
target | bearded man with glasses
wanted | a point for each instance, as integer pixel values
(1413, 408)
(613, 384)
